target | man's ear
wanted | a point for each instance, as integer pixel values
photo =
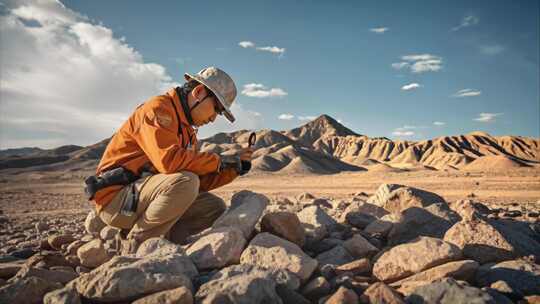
(198, 92)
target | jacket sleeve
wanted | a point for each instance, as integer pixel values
(157, 135)
(215, 180)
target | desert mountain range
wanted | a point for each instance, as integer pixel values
(321, 146)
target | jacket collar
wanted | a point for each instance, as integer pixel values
(183, 119)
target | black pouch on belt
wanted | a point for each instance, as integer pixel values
(129, 206)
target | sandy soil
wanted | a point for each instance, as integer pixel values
(41, 194)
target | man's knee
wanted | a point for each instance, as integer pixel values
(185, 184)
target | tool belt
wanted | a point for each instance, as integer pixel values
(117, 176)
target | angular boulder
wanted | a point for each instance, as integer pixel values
(382, 293)
(449, 291)
(93, 223)
(245, 210)
(66, 295)
(286, 225)
(126, 278)
(407, 259)
(268, 250)
(28, 290)
(180, 295)
(459, 270)
(381, 227)
(335, 256)
(368, 210)
(158, 246)
(245, 284)
(397, 198)
(488, 241)
(93, 254)
(218, 248)
(523, 277)
(56, 241)
(433, 220)
(359, 247)
(343, 296)
(316, 222)
(56, 276)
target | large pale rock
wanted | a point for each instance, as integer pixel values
(459, 270)
(93, 254)
(491, 241)
(56, 241)
(285, 225)
(28, 290)
(93, 223)
(449, 291)
(335, 256)
(316, 223)
(219, 248)
(469, 209)
(382, 293)
(361, 266)
(523, 277)
(180, 295)
(343, 296)
(245, 284)
(66, 295)
(108, 233)
(245, 210)
(407, 259)
(158, 246)
(268, 250)
(359, 247)
(396, 198)
(433, 220)
(369, 211)
(126, 278)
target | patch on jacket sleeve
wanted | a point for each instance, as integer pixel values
(163, 118)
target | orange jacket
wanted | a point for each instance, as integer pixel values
(150, 137)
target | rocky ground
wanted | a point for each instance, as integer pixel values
(398, 245)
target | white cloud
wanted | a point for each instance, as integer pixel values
(89, 81)
(246, 44)
(272, 49)
(439, 123)
(487, 117)
(400, 65)
(286, 116)
(307, 117)
(419, 63)
(492, 49)
(410, 86)
(467, 93)
(402, 133)
(260, 91)
(379, 30)
(467, 21)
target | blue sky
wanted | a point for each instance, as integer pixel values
(408, 70)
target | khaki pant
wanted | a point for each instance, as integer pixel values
(169, 205)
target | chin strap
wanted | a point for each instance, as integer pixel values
(183, 101)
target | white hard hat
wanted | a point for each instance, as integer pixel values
(221, 84)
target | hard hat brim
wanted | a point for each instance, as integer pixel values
(227, 112)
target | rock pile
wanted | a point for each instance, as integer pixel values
(401, 245)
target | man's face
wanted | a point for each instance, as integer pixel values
(207, 110)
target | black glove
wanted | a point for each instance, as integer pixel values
(233, 161)
(246, 166)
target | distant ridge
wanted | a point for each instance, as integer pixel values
(321, 146)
